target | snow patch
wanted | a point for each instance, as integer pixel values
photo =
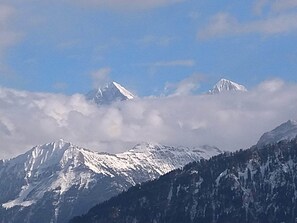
(124, 91)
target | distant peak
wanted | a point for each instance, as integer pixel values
(59, 143)
(285, 131)
(224, 80)
(225, 85)
(123, 90)
(105, 86)
(292, 122)
(288, 124)
(111, 92)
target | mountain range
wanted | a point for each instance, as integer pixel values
(254, 185)
(59, 180)
(257, 185)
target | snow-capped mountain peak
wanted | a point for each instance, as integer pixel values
(225, 85)
(124, 91)
(285, 131)
(67, 180)
(41, 155)
(111, 92)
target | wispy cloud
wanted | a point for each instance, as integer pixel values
(185, 87)
(156, 40)
(174, 63)
(223, 24)
(274, 17)
(259, 5)
(273, 6)
(69, 44)
(130, 5)
(8, 35)
(280, 5)
(60, 86)
(100, 76)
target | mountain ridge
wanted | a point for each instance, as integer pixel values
(254, 185)
(285, 131)
(59, 179)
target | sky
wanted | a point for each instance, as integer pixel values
(164, 51)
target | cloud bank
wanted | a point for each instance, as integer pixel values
(229, 121)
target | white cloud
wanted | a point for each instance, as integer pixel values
(174, 63)
(185, 87)
(194, 15)
(130, 5)
(9, 36)
(281, 5)
(273, 6)
(272, 85)
(153, 67)
(171, 63)
(259, 5)
(60, 86)
(100, 77)
(223, 24)
(229, 121)
(220, 24)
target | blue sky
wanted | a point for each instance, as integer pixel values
(58, 46)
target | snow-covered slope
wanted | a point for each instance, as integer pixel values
(256, 185)
(59, 180)
(226, 85)
(111, 92)
(286, 131)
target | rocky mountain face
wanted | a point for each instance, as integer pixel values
(225, 85)
(53, 182)
(111, 92)
(286, 131)
(254, 185)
